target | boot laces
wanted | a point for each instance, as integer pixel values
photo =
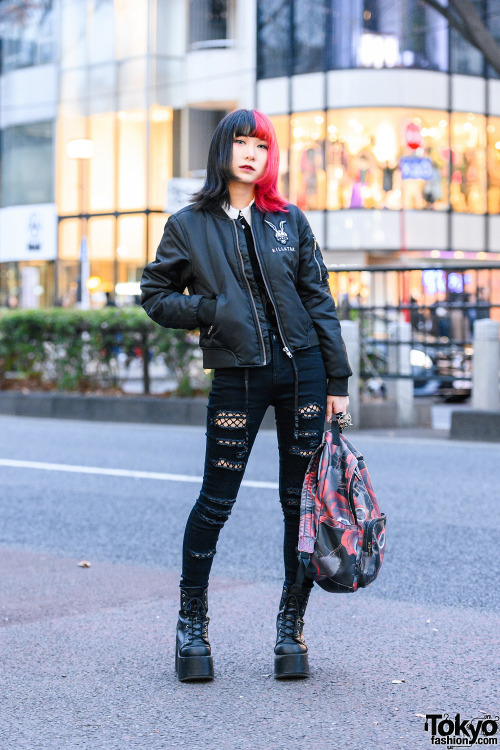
(196, 616)
(289, 616)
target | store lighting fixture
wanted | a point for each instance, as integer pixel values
(319, 120)
(497, 145)
(435, 254)
(93, 282)
(443, 124)
(458, 254)
(80, 148)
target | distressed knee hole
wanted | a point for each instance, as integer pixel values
(309, 411)
(212, 514)
(231, 420)
(202, 555)
(212, 521)
(229, 441)
(309, 433)
(224, 463)
(304, 452)
(218, 500)
(290, 507)
(294, 491)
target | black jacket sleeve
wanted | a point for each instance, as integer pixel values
(314, 291)
(165, 279)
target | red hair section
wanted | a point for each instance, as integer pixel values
(267, 196)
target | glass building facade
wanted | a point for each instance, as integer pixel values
(146, 82)
(384, 109)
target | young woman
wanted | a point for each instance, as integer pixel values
(258, 291)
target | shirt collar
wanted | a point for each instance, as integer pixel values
(233, 213)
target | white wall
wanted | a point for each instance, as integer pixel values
(28, 95)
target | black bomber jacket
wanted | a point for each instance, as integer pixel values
(206, 253)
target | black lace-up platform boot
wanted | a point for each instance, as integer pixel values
(193, 656)
(290, 659)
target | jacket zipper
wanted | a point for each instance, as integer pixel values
(315, 258)
(285, 347)
(250, 292)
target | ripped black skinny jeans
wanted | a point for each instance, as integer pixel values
(231, 432)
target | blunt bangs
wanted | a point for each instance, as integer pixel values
(215, 192)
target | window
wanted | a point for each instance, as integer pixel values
(494, 165)
(26, 34)
(274, 18)
(342, 34)
(310, 30)
(307, 164)
(202, 124)
(468, 177)
(208, 23)
(27, 173)
(383, 158)
(282, 126)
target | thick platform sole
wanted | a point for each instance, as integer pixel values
(291, 666)
(193, 668)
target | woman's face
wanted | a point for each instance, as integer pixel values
(249, 158)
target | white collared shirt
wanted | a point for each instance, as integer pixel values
(233, 213)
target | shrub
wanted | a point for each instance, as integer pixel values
(77, 349)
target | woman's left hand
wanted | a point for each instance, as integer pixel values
(336, 404)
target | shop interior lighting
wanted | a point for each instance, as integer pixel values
(93, 282)
(128, 288)
(80, 148)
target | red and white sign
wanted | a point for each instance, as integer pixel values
(413, 136)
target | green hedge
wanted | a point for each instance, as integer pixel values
(76, 349)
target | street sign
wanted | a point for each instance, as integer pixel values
(415, 168)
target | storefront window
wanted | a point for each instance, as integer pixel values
(27, 164)
(160, 155)
(494, 165)
(131, 160)
(468, 177)
(68, 268)
(156, 226)
(101, 249)
(69, 172)
(384, 158)
(131, 249)
(282, 126)
(102, 164)
(307, 164)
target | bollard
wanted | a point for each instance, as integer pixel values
(486, 365)
(399, 363)
(350, 334)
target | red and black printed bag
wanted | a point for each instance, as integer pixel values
(342, 531)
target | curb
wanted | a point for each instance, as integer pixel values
(475, 424)
(145, 409)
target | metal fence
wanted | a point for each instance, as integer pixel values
(438, 304)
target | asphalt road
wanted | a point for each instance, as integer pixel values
(86, 654)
